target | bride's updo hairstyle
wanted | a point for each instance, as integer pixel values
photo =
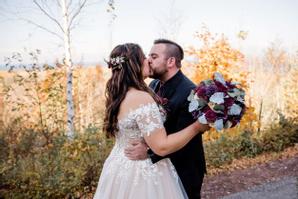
(126, 62)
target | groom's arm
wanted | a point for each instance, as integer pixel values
(138, 150)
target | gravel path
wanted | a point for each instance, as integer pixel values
(285, 188)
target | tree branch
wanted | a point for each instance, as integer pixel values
(58, 3)
(49, 11)
(77, 12)
(73, 26)
(42, 27)
(48, 15)
(69, 4)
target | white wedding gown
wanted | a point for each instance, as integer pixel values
(122, 178)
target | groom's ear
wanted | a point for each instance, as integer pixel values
(171, 62)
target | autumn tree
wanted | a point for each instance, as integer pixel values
(63, 16)
(217, 54)
(89, 97)
(268, 73)
(291, 90)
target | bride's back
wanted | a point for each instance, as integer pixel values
(134, 99)
(135, 104)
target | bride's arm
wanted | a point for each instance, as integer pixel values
(150, 124)
(163, 144)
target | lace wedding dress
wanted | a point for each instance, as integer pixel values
(122, 178)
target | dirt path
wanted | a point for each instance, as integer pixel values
(228, 182)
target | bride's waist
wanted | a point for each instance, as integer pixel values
(119, 152)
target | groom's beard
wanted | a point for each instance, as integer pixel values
(157, 74)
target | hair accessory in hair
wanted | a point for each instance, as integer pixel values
(116, 62)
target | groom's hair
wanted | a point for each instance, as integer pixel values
(172, 50)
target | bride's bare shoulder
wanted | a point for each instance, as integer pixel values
(133, 100)
(138, 96)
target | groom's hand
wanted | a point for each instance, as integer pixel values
(137, 150)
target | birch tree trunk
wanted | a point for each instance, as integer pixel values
(70, 10)
(69, 70)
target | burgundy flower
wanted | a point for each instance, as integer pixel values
(201, 85)
(230, 85)
(201, 90)
(220, 87)
(234, 122)
(208, 88)
(163, 101)
(229, 102)
(211, 90)
(210, 116)
(195, 114)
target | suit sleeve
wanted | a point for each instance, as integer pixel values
(154, 157)
(185, 117)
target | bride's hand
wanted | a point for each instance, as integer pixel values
(202, 127)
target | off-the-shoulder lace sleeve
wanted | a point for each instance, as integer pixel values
(148, 118)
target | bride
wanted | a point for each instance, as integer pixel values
(133, 112)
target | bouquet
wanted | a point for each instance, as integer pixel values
(217, 102)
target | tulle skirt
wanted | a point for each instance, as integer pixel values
(122, 178)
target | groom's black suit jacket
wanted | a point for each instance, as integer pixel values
(188, 161)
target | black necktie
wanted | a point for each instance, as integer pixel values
(160, 90)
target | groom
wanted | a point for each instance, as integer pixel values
(173, 87)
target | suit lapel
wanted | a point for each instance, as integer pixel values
(169, 87)
(168, 92)
(172, 84)
(154, 85)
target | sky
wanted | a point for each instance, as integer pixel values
(142, 21)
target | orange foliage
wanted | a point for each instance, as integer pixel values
(291, 93)
(41, 101)
(217, 55)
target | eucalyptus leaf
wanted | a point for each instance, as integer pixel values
(240, 99)
(218, 124)
(218, 108)
(234, 92)
(202, 119)
(193, 105)
(235, 83)
(228, 124)
(218, 77)
(208, 82)
(202, 103)
(234, 110)
(191, 95)
(242, 93)
(217, 98)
